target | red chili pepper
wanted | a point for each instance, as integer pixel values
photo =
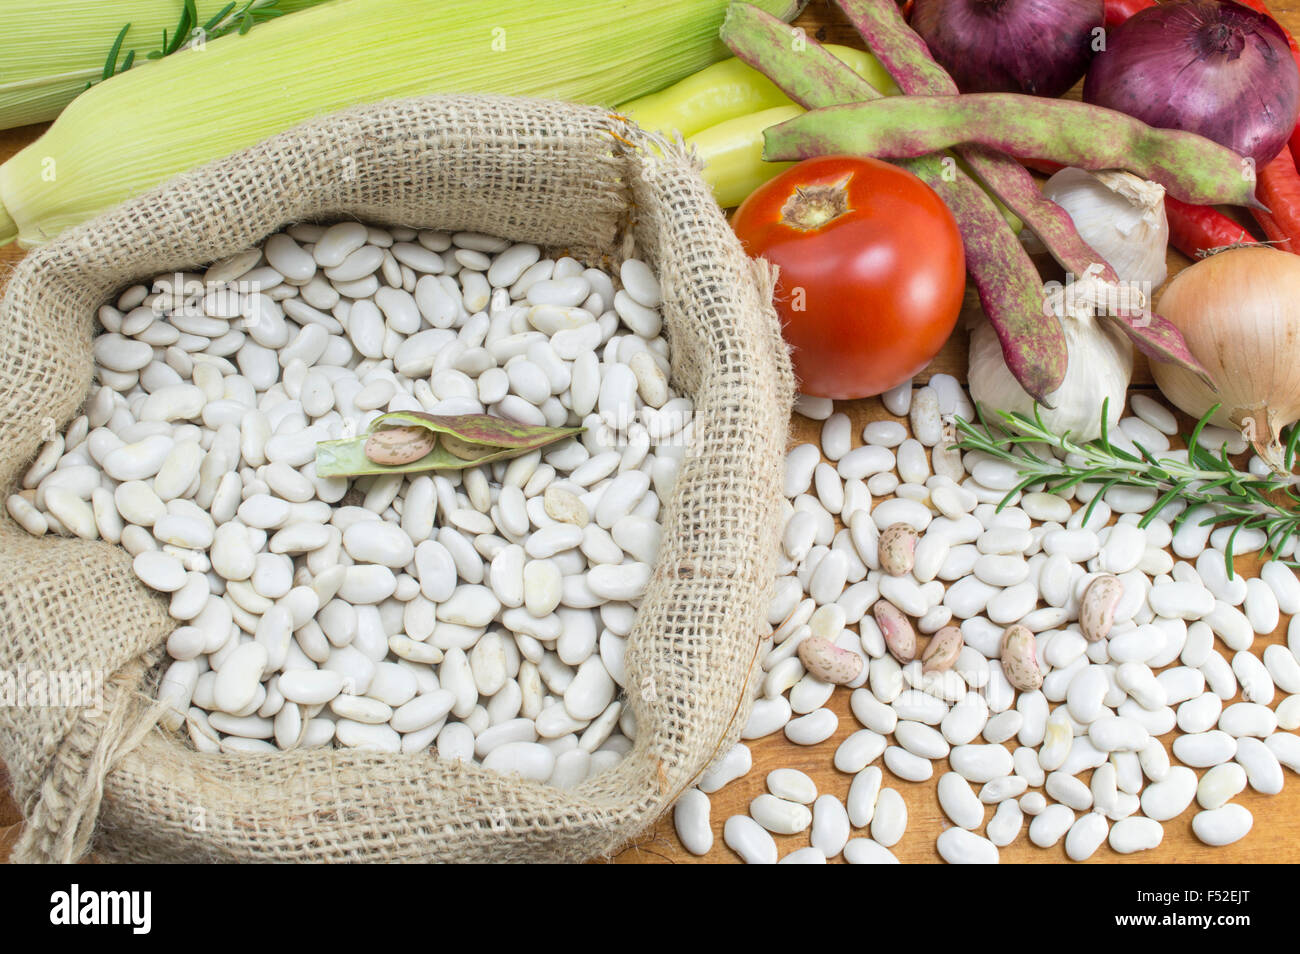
(1278, 187)
(1272, 231)
(1046, 166)
(1117, 11)
(1196, 229)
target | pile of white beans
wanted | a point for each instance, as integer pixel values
(481, 612)
(1101, 706)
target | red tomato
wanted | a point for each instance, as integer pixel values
(871, 271)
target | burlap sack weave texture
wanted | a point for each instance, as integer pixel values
(563, 176)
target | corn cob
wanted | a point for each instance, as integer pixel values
(133, 131)
(54, 48)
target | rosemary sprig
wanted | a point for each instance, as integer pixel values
(189, 32)
(1206, 478)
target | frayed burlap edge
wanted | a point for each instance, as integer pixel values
(560, 175)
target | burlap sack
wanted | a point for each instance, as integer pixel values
(563, 176)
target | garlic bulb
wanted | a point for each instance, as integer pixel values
(1100, 365)
(1121, 216)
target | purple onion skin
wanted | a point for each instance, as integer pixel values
(1038, 47)
(1217, 69)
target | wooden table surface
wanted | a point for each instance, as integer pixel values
(1276, 834)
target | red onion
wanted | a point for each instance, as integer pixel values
(1039, 47)
(1217, 69)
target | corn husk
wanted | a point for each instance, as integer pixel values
(134, 131)
(53, 48)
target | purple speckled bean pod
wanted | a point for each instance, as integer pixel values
(1009, 288)
(904, 54)
(810, 75)
(902, 51)
(1190, 167)
(1157, 338)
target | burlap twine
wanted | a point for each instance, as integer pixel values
(562, 176)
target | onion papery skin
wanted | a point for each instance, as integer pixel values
(1037, 47)
(1239, 312)
(1217, 69)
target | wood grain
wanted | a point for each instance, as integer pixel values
(1276, 834)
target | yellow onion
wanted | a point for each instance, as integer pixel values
(1239, 312)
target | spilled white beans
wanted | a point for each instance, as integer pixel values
(484, 614)
(479, 614)
(1054, 663)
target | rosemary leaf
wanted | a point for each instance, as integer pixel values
(110, 65)
(230, 19)
(1207, 478)
(218, 17)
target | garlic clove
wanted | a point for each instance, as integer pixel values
(1100, 366)
(1122, 216)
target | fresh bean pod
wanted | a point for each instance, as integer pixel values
(898, 47)
(902, 51)
(905, 55)
(1009, 287)
(1190, 167)
(811, 77)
